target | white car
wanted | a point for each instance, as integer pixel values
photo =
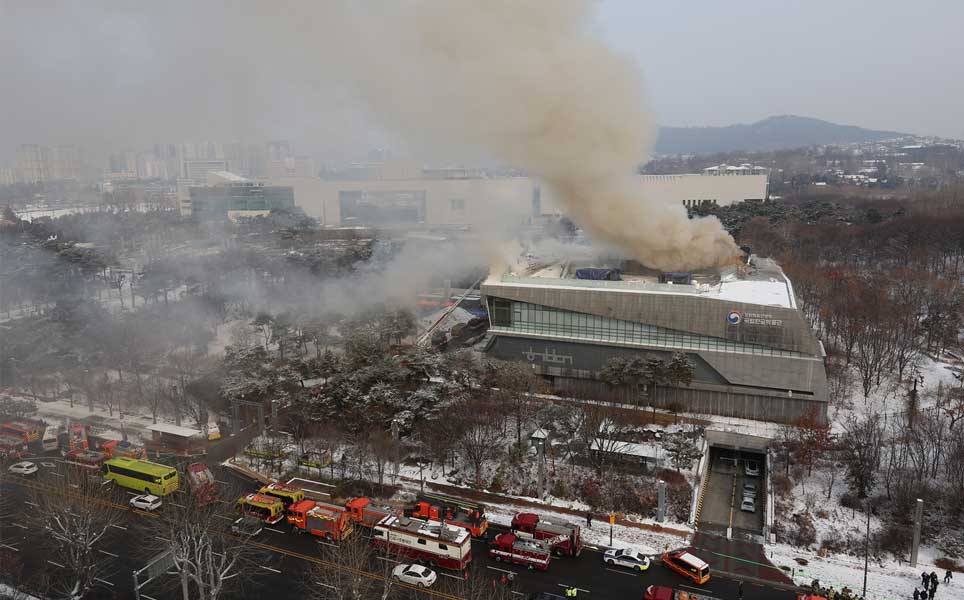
(626, 557)
(749, 489)
(748, 505)
(415, 575)
(752, 468)
(146, 502)
(23, 468)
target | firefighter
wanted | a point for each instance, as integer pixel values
(571, 592)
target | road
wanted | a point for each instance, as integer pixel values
(288, 556)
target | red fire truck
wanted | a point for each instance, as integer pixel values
(12, 446)
(31, 430)
(201, 482)
(321, 519)
(363, 511)
(565, 539)
(454, 511)
(530, 553)
(659, 592)
(433, 542)
(85, 459)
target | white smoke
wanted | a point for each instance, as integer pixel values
(529, 83)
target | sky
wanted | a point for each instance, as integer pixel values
(112, 75)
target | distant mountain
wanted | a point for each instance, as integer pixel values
(773, 133)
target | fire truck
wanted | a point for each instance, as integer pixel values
(117, 448)
(200, 481)
(454, 511)
(321, 519)
(433, 542)
(531, 553)
(363, 511)
(563, 538)
(287, 493)
(659, 592)
(12, 446)
(30, 430)
(85, 459)
(267, 508)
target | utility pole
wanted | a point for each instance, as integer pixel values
(918, 516)
(866, 547)
(660, 501)
(542, 469)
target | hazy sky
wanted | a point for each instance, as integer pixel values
(115, 74)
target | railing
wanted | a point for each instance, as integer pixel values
(643, 286)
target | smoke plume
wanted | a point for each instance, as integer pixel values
(530, 83)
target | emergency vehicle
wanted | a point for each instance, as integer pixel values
(454, 511)
(267, 508)
(321, 519)
(565, 539)
(527, 552)
(287, 493)
(30, 430)
(688, 565)
(365, 512)
(201, 482)
(659, 592)
(432, 542)
(12, 447)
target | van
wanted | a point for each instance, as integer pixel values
(688, 565)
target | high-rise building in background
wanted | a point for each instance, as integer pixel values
(32, 162)
(293, 166)
(277, 150)
(9, 176)
(66, 162)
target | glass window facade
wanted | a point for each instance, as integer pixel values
(522, 317)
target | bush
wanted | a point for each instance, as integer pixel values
(896, 536)
(802, 534)
(670, 477)
(559, 489)
(851, 501)
(782, 485)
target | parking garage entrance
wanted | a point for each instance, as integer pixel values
(733, 496)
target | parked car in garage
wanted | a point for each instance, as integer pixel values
(752, 468)
(748, 505)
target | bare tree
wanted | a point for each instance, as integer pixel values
(208, 562)
(516, 383)
(72, 519)
(862, 443)
(350, 571)
(481, 439)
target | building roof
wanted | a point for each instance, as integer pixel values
(175, 430)
(760, 282)
(627, 448)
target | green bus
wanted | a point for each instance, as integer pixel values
(141, 475)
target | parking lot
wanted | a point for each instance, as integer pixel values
(723, 497)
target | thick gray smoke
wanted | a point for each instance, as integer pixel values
(531, 84)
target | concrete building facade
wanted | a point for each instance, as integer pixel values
(228, 195)
(406, 195)
(753, 353)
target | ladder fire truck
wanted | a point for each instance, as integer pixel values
(433, 542)
(454, 511)
(565, 539)
(530, 553)
(287, 493)
(365, 512)
(321, 519)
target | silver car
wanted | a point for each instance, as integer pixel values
(146, 502)
(414, 575)
(23, 468)
(748, 505)
(626, 557)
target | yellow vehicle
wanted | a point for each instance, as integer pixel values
(141, 475)
(262, 506)
(288, 494)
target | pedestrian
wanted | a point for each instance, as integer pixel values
(511, 578)
(831, 594)
(933, 587)
(589, 519)
(948, 577)
(933, 577)
(740, 591)
(923, 579)
(504, 580)
(916, 594)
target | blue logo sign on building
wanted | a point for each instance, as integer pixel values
(734, 317)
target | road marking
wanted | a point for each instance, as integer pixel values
(146, 597)
(34, 504)
(689, 587)
(49, 465)
(108, 553)
(225, 518)
(103, 581)
(449, 575)
(562, 585)
(620, 572)
(270, 569)
(57, 474)
(20, 526)
(56, 564)
(388, 559)
(118, 526)
(498, 569)
(222, 482)
(327, 544)
(132, 494)
(274, 530)
(177, 505)
(10, 547)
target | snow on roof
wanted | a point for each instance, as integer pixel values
(756, 292)
(628, 448)
(539, 434)
(174, 430)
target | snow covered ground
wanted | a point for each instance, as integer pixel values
(887, 581)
